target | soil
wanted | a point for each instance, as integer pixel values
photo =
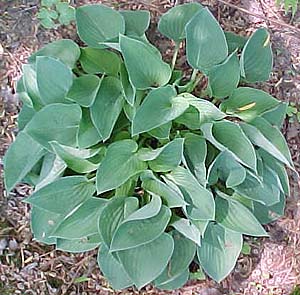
(27, 267)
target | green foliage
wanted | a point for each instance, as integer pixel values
(293, 112)
(256, 58)
(296, 291)
(125, 158)
(246, 249)
(54, 13)
(289, 4)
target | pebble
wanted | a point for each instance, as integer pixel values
(3, 244)
(20, 286)
(30, 266)
(210, 291)
(13, 245)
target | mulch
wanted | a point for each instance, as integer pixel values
(27, 267)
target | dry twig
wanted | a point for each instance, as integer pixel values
(290, 27)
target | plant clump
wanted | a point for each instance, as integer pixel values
(125, 158)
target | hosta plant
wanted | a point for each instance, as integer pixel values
(124, 157)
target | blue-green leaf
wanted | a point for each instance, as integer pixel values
(145, 263)
(20, 158)
(144, 64)
(119, 164)
(55, 122)
(54, 80)
(158, 108)
(172, 23)
(98, 23)
(67, 51)
(219, 251)
(200, 197)
(205, 41)
(107, 106)
(63, 195)
(257, 58)
(136, 21)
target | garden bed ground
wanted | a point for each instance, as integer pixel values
(27, 267)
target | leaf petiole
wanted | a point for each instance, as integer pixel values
(176, 50)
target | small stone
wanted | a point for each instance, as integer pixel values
(20, 286)
(3, 244)
(210, 291)
(13, 245)
(44, 266)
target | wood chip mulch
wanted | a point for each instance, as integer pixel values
(27, 267)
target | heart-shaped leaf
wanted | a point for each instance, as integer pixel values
(161, 132)
(235, 216)
(20, 158)
(153, 185)
(273, 134)
(141, 228)
(54, 80)
(49, 3)
(226, 168)
(30, 85)
(66, 13)
(145, 66)
(278, 168)
(195, 151)
(83, 222)
(172, 23)
(257, 58)
(55, 122)
(119, 164)
(67, 51)
(200, 197)
(136, 21)
(183, 254)
(229, 136)
(87, 135)
(113, 269)
(248, 103)
(218, 256)
(129, 90)
(208, 112)
(278, 150)
(266, 191)
(165, 158)
(98, 23)
(52, 168)
(116, 210)
(84, 90)
(266, 214)
(159, 107)
(234, 41)
(69, 192)
(206, 44)
(187, 229)
(96, 61)
(74, 158)
(107, 106)
(43, 224)
(225, 77)
(145, 263)
(23, 95)
(276, 115)
(25, 115)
